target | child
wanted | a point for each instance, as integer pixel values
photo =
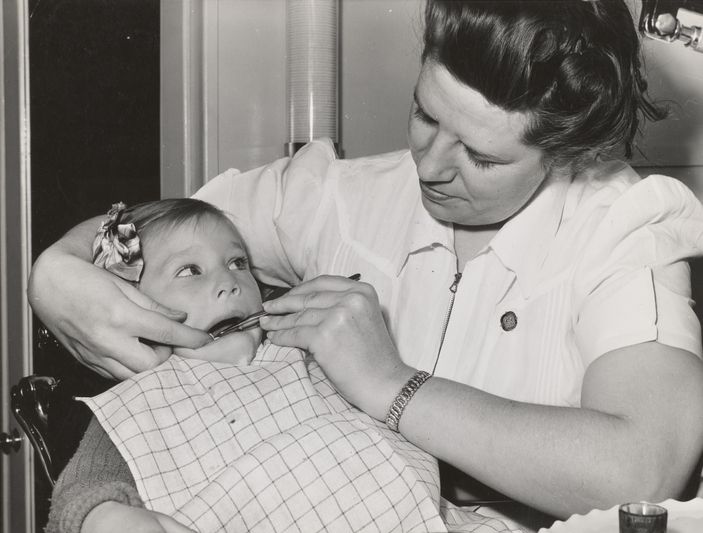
(219, 444)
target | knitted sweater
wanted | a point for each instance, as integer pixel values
(97, 473)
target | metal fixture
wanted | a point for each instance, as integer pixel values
(674, 21)
(30, 400)
(10, 442)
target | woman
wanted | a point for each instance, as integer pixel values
(544, 286)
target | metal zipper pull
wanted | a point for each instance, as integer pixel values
(454, 286)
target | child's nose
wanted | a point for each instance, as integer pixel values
(228, 286)
(223, 293)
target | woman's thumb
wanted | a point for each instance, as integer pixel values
(145, 302)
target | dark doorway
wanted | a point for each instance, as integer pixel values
(94, 107)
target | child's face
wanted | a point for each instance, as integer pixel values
(201, 267)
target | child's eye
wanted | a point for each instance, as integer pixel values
(239, 263)
(188, 270)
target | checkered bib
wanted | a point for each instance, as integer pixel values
(269, 447)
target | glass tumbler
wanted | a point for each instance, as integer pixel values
(642, 517)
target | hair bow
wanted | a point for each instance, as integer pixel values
(117, 247)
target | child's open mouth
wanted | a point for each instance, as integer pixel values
(235, 323)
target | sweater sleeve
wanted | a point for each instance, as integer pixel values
(95, 474)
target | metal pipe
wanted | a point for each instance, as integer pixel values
(311, 71)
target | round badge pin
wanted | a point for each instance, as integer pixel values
(508, 321)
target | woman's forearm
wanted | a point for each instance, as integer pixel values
(546, 457)
(75, 244)
(78, 240)
(565, 460)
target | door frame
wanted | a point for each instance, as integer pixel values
(187, 82)
(17, 469)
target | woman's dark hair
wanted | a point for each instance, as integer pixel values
(162, 215)
(572, 65)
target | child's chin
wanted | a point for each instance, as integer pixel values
(235, 348)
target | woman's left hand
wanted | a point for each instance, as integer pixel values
(339, 321)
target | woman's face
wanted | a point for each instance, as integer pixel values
(473, 167)
(201, 267)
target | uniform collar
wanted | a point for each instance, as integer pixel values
(521, 244)
(424, 233)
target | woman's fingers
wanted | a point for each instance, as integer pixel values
(129, 355)
(114, 348)
(107, 338)
(340, 322)
(293, 303)
(143, 301)
(309, 317)
(100, 318)
(131, 358)
(322, 292)
(325, 283)
(157, 323)
(157, 328)
(301, 337)
(104, 366)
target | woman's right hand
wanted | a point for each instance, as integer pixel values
(114, 517)
(341, 324)
(101, 318)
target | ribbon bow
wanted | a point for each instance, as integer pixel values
(116, 246)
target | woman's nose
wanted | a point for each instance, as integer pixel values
(436, 161)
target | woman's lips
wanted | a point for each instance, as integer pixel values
(432, 194)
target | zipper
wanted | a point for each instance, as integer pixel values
(452, 288)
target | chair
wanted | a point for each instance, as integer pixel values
(30, 400)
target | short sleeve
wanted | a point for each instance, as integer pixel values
(273, 207)
(632, 283)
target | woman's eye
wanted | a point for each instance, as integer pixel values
(239, 263)
(423, 117)
(479, 163)
(188, 270)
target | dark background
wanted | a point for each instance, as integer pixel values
(94, 96)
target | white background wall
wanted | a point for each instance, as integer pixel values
(379, 61)
(379, 51)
